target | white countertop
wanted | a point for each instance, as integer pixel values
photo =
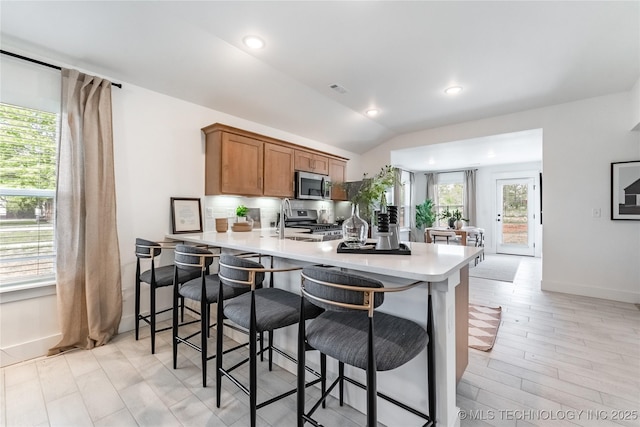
(427, 262)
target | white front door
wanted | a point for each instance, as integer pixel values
(515, 218)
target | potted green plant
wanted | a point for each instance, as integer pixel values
(243, 222)
(425, 215)
(456, 215)
(369, 193)
(446, 215)
(373, 189)
(242, 211)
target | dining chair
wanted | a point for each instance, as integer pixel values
(156, 277)
(260, 309)
(352, 331)
(448, 236)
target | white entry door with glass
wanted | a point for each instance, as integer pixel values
(515, 218)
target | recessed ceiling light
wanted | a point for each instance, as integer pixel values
(253, 42)
(372, 112)
(453, 90)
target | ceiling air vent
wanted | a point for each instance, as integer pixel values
(338, 88)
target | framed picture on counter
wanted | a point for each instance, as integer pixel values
(186, 215)
(625, 190)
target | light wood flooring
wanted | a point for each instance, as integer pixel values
(555, 355)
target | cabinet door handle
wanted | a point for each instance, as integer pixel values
(260, 183)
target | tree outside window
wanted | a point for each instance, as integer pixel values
(27, 191)
(450, 194)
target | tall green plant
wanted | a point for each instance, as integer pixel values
(425, 214)
(372, 190)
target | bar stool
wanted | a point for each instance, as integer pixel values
(156, 277)
(205, 291)
(260, 310)
(351, 331)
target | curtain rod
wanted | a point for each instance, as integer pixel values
(451, 170)
(35, 61)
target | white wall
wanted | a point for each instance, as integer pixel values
(581, 254)
(634, 123)
(159, 154)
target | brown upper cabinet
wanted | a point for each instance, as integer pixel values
(311, 162)
(338, 175)
(244, 163)
(278, 170)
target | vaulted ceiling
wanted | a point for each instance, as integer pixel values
(395, 56)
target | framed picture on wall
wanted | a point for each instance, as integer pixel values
(186, 216)
(625, 190)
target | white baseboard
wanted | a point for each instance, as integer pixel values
(590, 291)
(27, 350)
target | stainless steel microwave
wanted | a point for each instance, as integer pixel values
(311, 186)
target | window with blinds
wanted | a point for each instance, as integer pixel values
(28, 144)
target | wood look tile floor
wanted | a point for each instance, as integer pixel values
(558, 360)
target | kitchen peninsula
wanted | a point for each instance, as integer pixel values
(445, 267)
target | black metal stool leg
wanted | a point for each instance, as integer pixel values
(253, 377)
(323, 376)
(174, 330)
(152, 317)
(219, 352)
(301, 363)
(137, 297)
(341, 383)
(270, 348)
(204, 332)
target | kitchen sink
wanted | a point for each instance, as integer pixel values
(299, 238)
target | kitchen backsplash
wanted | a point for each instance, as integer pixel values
(225, 207)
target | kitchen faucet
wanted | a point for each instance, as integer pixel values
(285, 209)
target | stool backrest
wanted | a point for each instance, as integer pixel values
(192, 257)
(144, 248)
(322, 286)
(237, 272)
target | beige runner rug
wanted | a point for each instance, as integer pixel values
(483, 326)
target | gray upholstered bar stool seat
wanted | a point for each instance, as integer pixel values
(351, 331)
(275, 309)
(156, 277)
(396, 341)
(188, 259)
(263, 309)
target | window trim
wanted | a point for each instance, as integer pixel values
(24, 291)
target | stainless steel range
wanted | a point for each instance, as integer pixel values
(307, 219)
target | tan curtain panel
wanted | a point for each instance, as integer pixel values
(432, 182)
(88, 259)
(469, 196)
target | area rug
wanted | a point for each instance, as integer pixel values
(483, 326)
(496, 267)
